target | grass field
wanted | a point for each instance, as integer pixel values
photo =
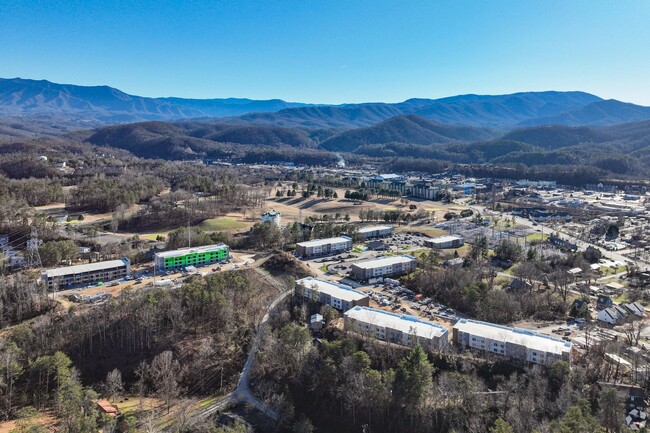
(153, 236)
(226, 223)
(536, 237)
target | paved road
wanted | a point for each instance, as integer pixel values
(243, 392)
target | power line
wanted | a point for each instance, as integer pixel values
(33, 257)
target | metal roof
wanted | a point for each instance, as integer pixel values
(446, 238)
(529, 339)
(185, 251)
(400, 322)
(383, 261)
(80, 269)
(339, 291)
(326, 241)
(375, 228)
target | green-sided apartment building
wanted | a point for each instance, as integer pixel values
(197, 256)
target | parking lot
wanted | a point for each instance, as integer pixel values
(403, 242)
(142, 276)
(398, 299)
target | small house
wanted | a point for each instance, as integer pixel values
(579, 307)
(107, 408)
(603, 302)
(316, 323)
(611, 316)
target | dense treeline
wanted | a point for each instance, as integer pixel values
(475, 290)
(186, 337)
(21, 298)
(102, 194)
(35, 192)
(346, 382)
(180, 207)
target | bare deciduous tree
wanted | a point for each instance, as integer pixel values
(166, 372)
(114, 384)
(633, 331)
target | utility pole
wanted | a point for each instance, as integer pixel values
(189, 233)
(33, 256)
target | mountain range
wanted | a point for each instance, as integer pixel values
(20, 97)
(91, 106)
(569, 129)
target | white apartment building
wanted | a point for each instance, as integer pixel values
(383, 267)
(323, 247)
(335, 295)
(395, 328)
(515, 343)
(375, 231)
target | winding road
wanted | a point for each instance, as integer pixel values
(243, 393)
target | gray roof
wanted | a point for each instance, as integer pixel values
(401, 322)
(338, 291)
(529, 339)
(185, 251)
(321, 242)
(375, 228)
(446, 238)
(383, 261)
(79, 269)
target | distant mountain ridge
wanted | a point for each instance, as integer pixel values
(498, 111)
(90, 106)
(20, 97)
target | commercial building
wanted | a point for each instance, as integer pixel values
(198, 256)
(383, 267)
(395, 328)
(61, 278)
(419, 190)
(375, 231)
(335, 295)
(442, 242)
(323, 247)
(272, 217)
(515, 343)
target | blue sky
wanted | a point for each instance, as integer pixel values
(332, 51)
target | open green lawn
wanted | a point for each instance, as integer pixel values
(224, 223)
(536, 237)
(429, 231)
(153, 236)
(607, 270)
(418, 252)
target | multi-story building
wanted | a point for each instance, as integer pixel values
(61, 278)
(442, 242)
(375, 231)
(198, 256)
(419, 190)
(395, 328)
(335, 295)
(272, 217)
(383, 267)
(515, 343)
(323, 247)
